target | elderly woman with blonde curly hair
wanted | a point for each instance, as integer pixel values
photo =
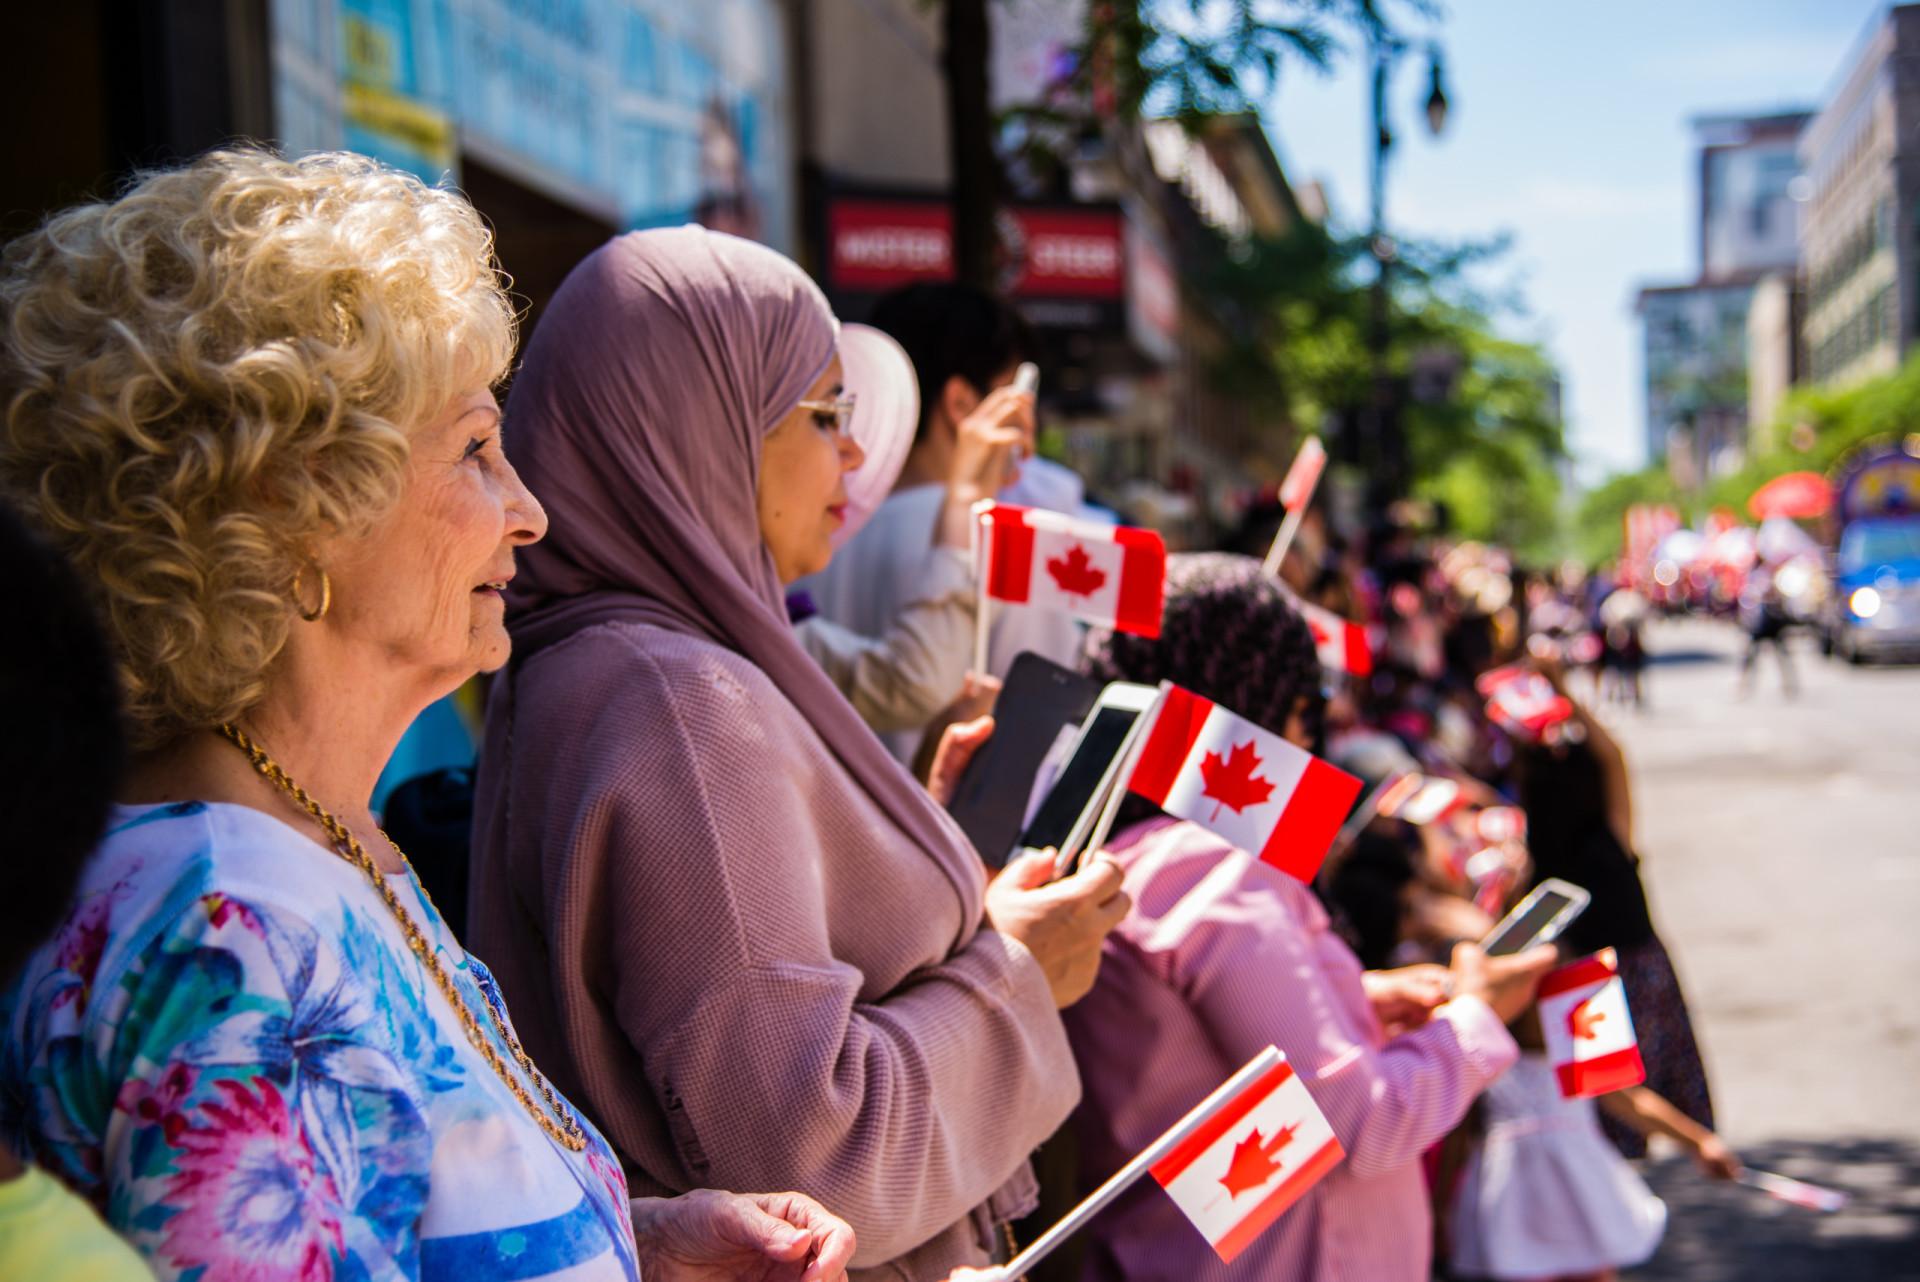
(250, 399)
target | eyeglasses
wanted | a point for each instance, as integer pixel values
(840, 411)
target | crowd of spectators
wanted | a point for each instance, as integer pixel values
(249, 402)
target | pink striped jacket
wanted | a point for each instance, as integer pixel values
(1221, 956)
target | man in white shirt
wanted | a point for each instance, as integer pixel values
(965, 346)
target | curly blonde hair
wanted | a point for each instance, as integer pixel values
(201, 378)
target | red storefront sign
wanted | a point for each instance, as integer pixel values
(875, 245)
(880, 244)
(1069, 253)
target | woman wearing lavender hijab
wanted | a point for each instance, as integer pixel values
(737, 929)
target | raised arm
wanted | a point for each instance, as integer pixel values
(905, 678)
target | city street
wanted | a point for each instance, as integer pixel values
(1779, 853)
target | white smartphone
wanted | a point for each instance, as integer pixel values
(1537, 919)
(1072, 806)
(1027, 378)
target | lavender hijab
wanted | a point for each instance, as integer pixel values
(637, 418)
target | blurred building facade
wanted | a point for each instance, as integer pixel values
(1695, 334)
(1862, 168)
(816, 126)
(1776, 352)
(1095, 245)
(565, 121)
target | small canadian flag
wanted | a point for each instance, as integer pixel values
(1522, 702)
(1421, 799)
(1255, 1146)
(1341, 645)
(1297, 488)
(1202, 762)
(1590, 1041)
(1101, 573)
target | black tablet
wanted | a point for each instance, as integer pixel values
(1040, 698)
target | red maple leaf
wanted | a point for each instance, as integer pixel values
(1232, 782)
(1253, 1163)
(1580, 1021)
(1076, 573)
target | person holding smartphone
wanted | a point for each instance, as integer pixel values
(1223, 955)
(1578, 799)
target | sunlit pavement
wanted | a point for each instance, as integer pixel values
(1781, 841)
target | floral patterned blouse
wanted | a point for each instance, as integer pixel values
(230, 1049)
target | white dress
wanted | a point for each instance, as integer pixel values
(1545, 1194)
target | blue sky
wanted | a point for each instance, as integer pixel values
(1569, 130)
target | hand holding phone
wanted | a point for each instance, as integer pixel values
(1062, 923)
(1507, 984)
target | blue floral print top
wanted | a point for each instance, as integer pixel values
(230, 1049)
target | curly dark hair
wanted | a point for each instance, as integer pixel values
(1229, 633)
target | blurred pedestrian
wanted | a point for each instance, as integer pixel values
(1578, 800)
(1763, 613)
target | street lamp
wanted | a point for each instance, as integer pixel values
(1437, 100)
(1382, 438)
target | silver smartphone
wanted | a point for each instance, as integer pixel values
(1072, 805)
(1537, 919)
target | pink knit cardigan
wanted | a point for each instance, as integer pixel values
(722, 947)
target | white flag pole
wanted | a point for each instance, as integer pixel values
(1290, 526)
(1048, 1242)
(1283, 540)
(983, 604)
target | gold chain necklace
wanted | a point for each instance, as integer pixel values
(567, 1131)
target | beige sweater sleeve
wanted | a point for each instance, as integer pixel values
(902, 680)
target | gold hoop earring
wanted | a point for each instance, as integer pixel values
(326, 595)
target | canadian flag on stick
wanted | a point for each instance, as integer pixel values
(1202, 762)
(1250, 1157)
(1341, 645)
(1241, 1157)
(1297, 488)
(1522, 702)
(1101, 573)
(1590, 1041)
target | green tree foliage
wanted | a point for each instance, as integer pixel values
(1479, 410)
(1813, 430)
